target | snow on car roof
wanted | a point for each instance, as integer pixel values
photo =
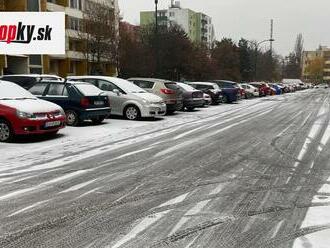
(125, 85)
(11, 90)
(152, 79)
(33, 75)
(203, 83)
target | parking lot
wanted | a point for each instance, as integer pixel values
(250, 174)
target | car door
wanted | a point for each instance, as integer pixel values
(116, 99)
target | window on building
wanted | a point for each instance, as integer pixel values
(76, 4)
(35, 60)
(32, 5)
(74, 23)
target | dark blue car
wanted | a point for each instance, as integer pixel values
(277, 88)
(230, 90)
(80, 101)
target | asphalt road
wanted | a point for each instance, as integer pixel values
(244, 178)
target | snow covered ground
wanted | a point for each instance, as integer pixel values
(74, 143)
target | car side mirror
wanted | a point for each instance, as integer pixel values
(116, 91)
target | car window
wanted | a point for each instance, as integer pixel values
(107, 86)
(203, 87)
(145, 84)
(55, 90)
(38, 89)
(172, 86)
(88, 80)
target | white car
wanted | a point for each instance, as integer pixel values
(250, 91)
(126, 99)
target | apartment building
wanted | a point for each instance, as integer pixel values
(74, 62)
(323, 53)
(197, 25)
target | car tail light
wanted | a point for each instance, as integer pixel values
(167, 91)
(84, 102)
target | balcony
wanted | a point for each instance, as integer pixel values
(53, 7)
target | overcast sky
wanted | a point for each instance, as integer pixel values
(251, 19)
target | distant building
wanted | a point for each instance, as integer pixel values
(308, 56)
(73, 62)
(130, 29)
(198, 26)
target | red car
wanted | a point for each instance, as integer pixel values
(21, 113)
(264, 89)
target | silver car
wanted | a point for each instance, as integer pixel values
(127, 99)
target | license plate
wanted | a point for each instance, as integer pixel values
(98, 103)
(52, 124)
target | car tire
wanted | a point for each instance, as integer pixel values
(72, 118)
(191, 108)
(98, 120)
(6, 132)
(132, 113)
(170, 112)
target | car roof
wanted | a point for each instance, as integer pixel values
(222, 81)
(62, 82)
(155, 80)
(31, 75)
(203, 83)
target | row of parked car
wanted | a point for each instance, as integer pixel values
(43, 104)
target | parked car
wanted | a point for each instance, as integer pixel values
(28, 80)
(263, 89)
(126, 98)
(192, 98)
(242, 92)
(250, 91)
(212, 89)
(169, 91)
(230, 90)
(80, 101)
(21, 113)
(277, 88)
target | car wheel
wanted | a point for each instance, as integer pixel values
(132, 113)
(190, 108)
(98, 120)
(224, 99)
(6, 133)
(72, 118)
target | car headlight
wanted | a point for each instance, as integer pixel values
(25, 115)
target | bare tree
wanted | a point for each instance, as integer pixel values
(99, 35)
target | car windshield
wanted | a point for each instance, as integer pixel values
(186, 87)
(89, 89)
(11, 91)
(127, 86)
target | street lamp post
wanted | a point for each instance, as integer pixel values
(256, 55)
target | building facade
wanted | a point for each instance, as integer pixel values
(73, 62)
(198, 26)
(322, 53)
